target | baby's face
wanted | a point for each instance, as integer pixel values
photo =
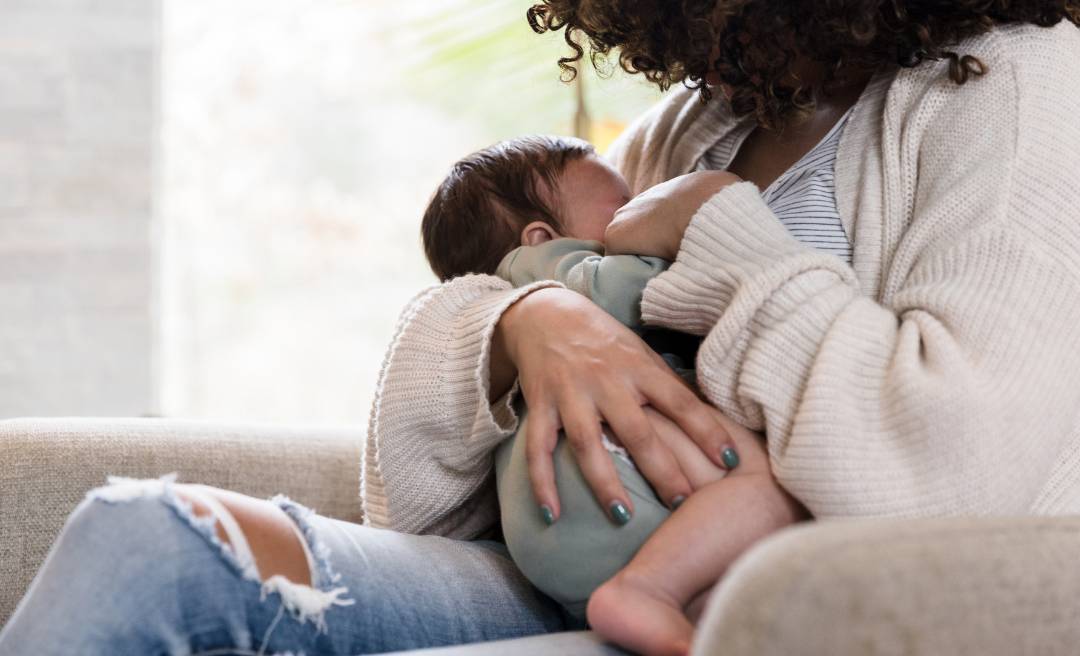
(590, 191)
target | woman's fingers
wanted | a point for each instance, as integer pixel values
(541, 436)
(583, 433)
(583, 430)
(579, 367)
(652, 455)
(695, 417)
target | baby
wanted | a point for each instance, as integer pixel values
(536, 208)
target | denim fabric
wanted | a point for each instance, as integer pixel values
(140, 575)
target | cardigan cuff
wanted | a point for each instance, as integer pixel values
(734, 244)
(497, 420)
(432, 428)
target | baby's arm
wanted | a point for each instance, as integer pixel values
(644, 607)
(615, 282)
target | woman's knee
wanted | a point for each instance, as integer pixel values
(115, 523)
(257, 537)
(139, 550)
(121, 533)
(259, 529)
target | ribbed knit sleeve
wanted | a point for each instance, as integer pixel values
(957, 391)
(427, 464)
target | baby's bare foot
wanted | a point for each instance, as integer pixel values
(631, 611)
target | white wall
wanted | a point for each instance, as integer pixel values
(77, 135)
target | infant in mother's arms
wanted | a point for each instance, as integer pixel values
(537, 208)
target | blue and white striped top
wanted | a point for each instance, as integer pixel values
(803, 197)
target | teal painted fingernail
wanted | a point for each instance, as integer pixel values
(677, 501)
(730, 458)
(620, 513)
(547, 515)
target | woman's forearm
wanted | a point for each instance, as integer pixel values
(501, 370)
(429, 392)
(911, 404)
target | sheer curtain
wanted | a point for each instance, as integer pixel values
(301, 142)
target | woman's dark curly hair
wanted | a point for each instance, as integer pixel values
(671, 41)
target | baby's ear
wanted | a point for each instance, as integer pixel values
(537, 233)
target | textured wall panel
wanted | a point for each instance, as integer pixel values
(77, 139)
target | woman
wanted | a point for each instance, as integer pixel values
(936, 375)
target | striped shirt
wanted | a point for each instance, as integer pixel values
(802, 198)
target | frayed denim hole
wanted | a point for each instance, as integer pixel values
(123, 490)
(308, 603)
(207, 527)
(300, 514)
(304, 602)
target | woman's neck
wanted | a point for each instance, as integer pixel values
(764, 156)
(828, 106)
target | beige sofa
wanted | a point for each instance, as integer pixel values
(1008, 586)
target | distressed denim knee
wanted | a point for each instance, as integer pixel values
(303, 602)
(135, 572)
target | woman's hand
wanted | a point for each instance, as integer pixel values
(580, 368)
(653, 223)
(698, 468)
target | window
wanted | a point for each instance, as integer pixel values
(301, 142)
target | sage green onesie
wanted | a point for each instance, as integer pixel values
(571, 558)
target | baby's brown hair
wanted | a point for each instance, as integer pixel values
(478, 212)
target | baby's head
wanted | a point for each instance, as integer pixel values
(520, 192)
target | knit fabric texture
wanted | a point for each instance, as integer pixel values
(937, 375)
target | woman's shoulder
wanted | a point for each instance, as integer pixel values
(1029, 79)
(1044, 64)
(1024, 44)
(1011, 132)
(1036, 57)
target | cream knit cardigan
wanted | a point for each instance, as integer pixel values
(939, 375)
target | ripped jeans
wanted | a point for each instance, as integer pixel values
(134, 571)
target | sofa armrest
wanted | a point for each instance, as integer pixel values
(48, 465)
(957, 586)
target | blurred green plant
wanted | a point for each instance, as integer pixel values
(480, 59)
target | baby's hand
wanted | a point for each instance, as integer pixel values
(653, 222)
(696, 466)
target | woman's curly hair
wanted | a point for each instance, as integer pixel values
(670, 41)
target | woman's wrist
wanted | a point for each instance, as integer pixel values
(502, 369)
(502, 372)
